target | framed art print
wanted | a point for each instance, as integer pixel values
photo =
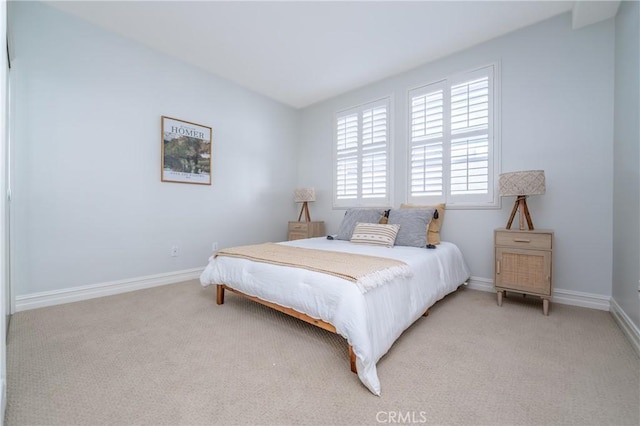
(186, 152)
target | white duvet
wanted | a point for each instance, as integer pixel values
(370, 322)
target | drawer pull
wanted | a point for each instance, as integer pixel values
(521, 240)
(497, 267)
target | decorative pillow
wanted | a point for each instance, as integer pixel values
(353, 216)
(375, 233)
(413, 226)
(433, 235)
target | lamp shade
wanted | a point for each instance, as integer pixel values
(529, 182)
(301, 195)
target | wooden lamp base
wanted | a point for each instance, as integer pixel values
(305, 210)
(521, 205)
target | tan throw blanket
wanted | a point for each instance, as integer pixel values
(365, 271)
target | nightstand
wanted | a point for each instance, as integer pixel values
(299, 230)
(523, 263)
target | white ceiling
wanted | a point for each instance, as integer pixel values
(300, 53)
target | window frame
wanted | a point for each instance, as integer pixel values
(360, 201)
(491, 199)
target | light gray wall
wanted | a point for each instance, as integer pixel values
(626, 148)
(4, 209)
(89, 206)
(557, 115)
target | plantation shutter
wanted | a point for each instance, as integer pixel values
(427, 142)
(374, 152)
(452, 141)
(362, 156)
(470, 137)
(347, 157)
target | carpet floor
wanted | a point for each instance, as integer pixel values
(170, 356)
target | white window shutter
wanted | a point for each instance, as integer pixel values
(374, 152)
(347, 157)
(470, 137)
(427, 131)
(452, 142)
(362, 154)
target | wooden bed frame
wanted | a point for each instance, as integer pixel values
(220, 288)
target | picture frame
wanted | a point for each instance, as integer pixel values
(186, 152)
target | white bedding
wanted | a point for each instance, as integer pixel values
(370, 322)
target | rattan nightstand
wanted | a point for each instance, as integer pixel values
(523, 264)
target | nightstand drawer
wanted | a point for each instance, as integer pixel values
(302, 227)
(293, 235)
(299, 230)
(527, 240)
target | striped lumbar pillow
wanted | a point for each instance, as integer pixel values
(374, 233)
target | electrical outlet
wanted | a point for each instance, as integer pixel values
(214, 246)
(174, 251)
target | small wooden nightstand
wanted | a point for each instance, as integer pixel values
(299, 230)
(524, 263)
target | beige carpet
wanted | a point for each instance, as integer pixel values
(169, 355)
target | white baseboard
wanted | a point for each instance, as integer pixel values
(481, 284)
(57, 297)
(626, 325)
(75, 294)
(564, 297)
(578, 298)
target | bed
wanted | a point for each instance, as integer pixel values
(371, 321)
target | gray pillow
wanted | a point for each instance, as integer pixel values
(413, 226)
(353, 216)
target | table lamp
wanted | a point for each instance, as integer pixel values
(304, 196)
(521, 185)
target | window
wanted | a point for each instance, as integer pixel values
(453, 147)
(361, 153)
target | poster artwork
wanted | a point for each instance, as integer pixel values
(186, 152)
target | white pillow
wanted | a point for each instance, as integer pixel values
(375, 233)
